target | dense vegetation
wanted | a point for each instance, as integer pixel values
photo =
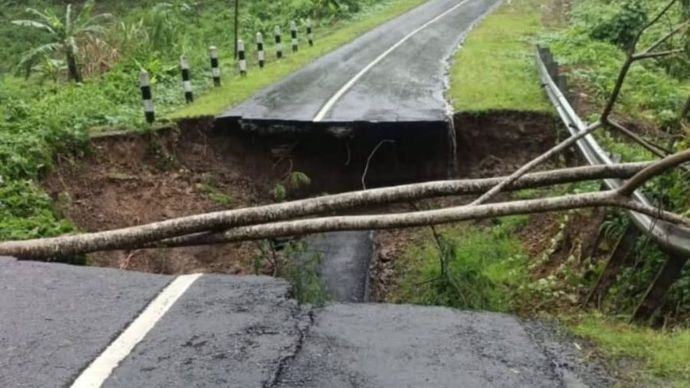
(490, 265)
(43, 114)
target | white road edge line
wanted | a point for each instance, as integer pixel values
(330, 103)
(102, 367)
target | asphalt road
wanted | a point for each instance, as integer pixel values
(394, 73)
(345, 263)
(228, 331)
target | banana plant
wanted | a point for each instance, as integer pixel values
(65, 32)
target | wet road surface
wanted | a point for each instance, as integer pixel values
(234, 331)
(394, 73)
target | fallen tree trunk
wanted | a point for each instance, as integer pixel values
(138, 236)
(423, 218)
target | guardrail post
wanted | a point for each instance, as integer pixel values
(242, 57)
(279, 42)
(186, 79)
(624, 247)
(654, 297)
(293, 33)
(215, 67)
(147, 97)
(260, 49)
(310, 33)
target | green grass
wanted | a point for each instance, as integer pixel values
(236, 89)
(488, 265)
(495, 69)
(664, 356)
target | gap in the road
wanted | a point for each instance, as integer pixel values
(203, 166)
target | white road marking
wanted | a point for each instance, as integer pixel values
(102, 367)
(330, 103)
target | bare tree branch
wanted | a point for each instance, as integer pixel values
(534, 163)
(655, 149)
(140, 235)
(658, 54)
(651, 23)
(424, 218)
(653, 170)
(675, 30)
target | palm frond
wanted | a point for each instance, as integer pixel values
(34, 24)
(48, 17)
(43, 50)
(98, 19)
(93, 29)
(69, 30)
(86, 10)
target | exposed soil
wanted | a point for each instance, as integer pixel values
(488, 145)
(133, 179)
(198, 167)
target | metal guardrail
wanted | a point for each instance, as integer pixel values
(672, 238)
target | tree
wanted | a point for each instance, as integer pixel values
(65, 34)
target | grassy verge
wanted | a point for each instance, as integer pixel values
(663, 356)
(488, 264)
(495, 69)
(237, 89)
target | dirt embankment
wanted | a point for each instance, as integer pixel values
(198, 167)
(133, 179)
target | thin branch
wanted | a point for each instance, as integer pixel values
(534, 163)
(608, 108)
(653, 170)
(652, 22)
(669, 35)
(655, 149)
(658, 54)
(371, 155)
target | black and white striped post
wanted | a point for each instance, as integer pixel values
(310, 33)
(293, 34)
(279, 42)
(215, 67)
(242, 57)
(186, 79)
(147, 96)
(260, 49)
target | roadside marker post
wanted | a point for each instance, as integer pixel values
(279, 43)
(242, 57)
(186, 79)
(293, 33)
(310, 33)
(260, 49)
(215, 68)
(147, 97)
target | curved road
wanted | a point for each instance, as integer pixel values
(394, 73)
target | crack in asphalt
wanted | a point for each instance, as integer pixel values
(302, 326)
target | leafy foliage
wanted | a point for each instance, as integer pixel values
(65, 33)
(42, 117)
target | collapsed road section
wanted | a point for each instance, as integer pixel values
(386, 87)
